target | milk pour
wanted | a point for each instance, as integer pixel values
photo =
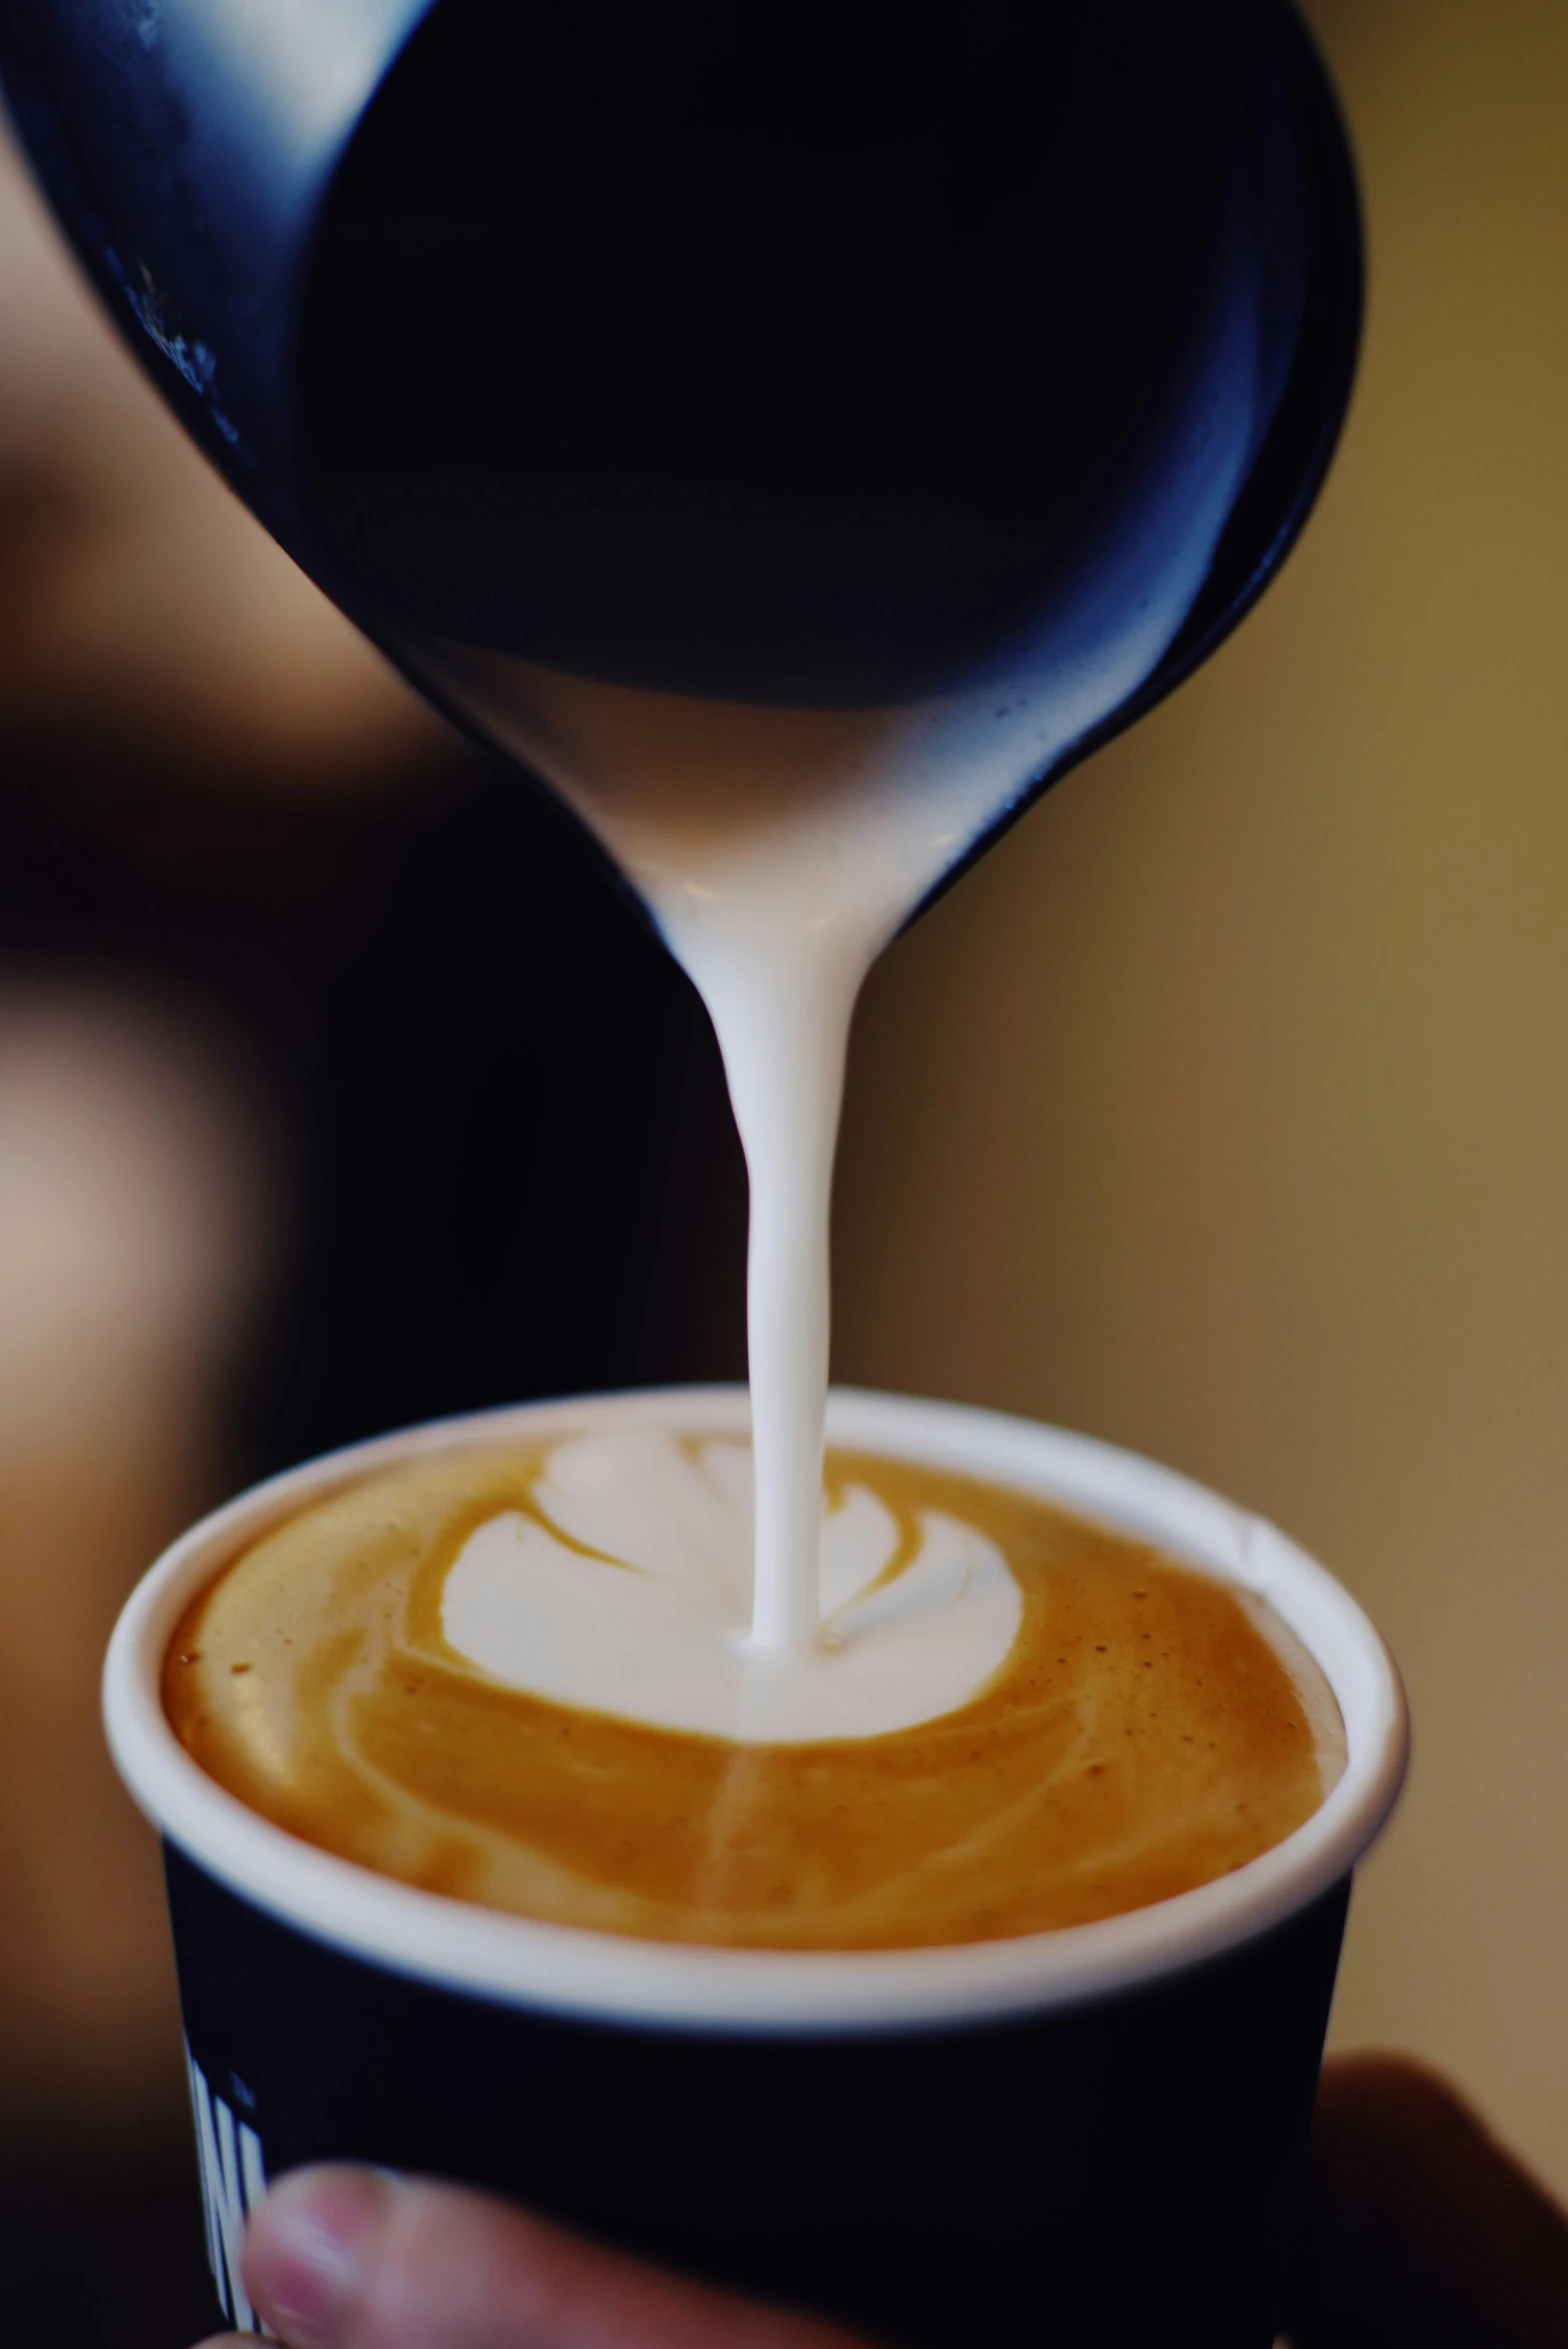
(779, 850)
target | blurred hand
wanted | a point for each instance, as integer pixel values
(1417, 2229)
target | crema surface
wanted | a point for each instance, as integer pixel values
(1016, 1720)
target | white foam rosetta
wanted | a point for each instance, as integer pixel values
(628, 1591)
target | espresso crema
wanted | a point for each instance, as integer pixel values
(524, 1677)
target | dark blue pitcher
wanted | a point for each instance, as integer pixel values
(804, 354)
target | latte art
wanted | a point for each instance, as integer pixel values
(625, 1587)
(523, 1677)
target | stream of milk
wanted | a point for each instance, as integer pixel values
(779, 850)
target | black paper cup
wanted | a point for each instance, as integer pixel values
(1087, 2137)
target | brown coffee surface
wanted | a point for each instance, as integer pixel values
(1150, 1730)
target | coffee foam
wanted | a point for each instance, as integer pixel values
(625, 1587)
(1149, 1728)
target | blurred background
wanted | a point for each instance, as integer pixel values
(1222, 1112)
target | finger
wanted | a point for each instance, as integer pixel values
(357, 2259)
(1419, 2225)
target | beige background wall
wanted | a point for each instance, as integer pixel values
(1224, 1111)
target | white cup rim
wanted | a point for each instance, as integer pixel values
(519, 1961)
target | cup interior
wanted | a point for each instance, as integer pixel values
(519, 1961)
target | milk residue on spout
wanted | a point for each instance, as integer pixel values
(625, 1588)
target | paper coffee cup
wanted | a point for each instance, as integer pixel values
(1083, 2136)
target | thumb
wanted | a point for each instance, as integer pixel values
(342, 2258)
